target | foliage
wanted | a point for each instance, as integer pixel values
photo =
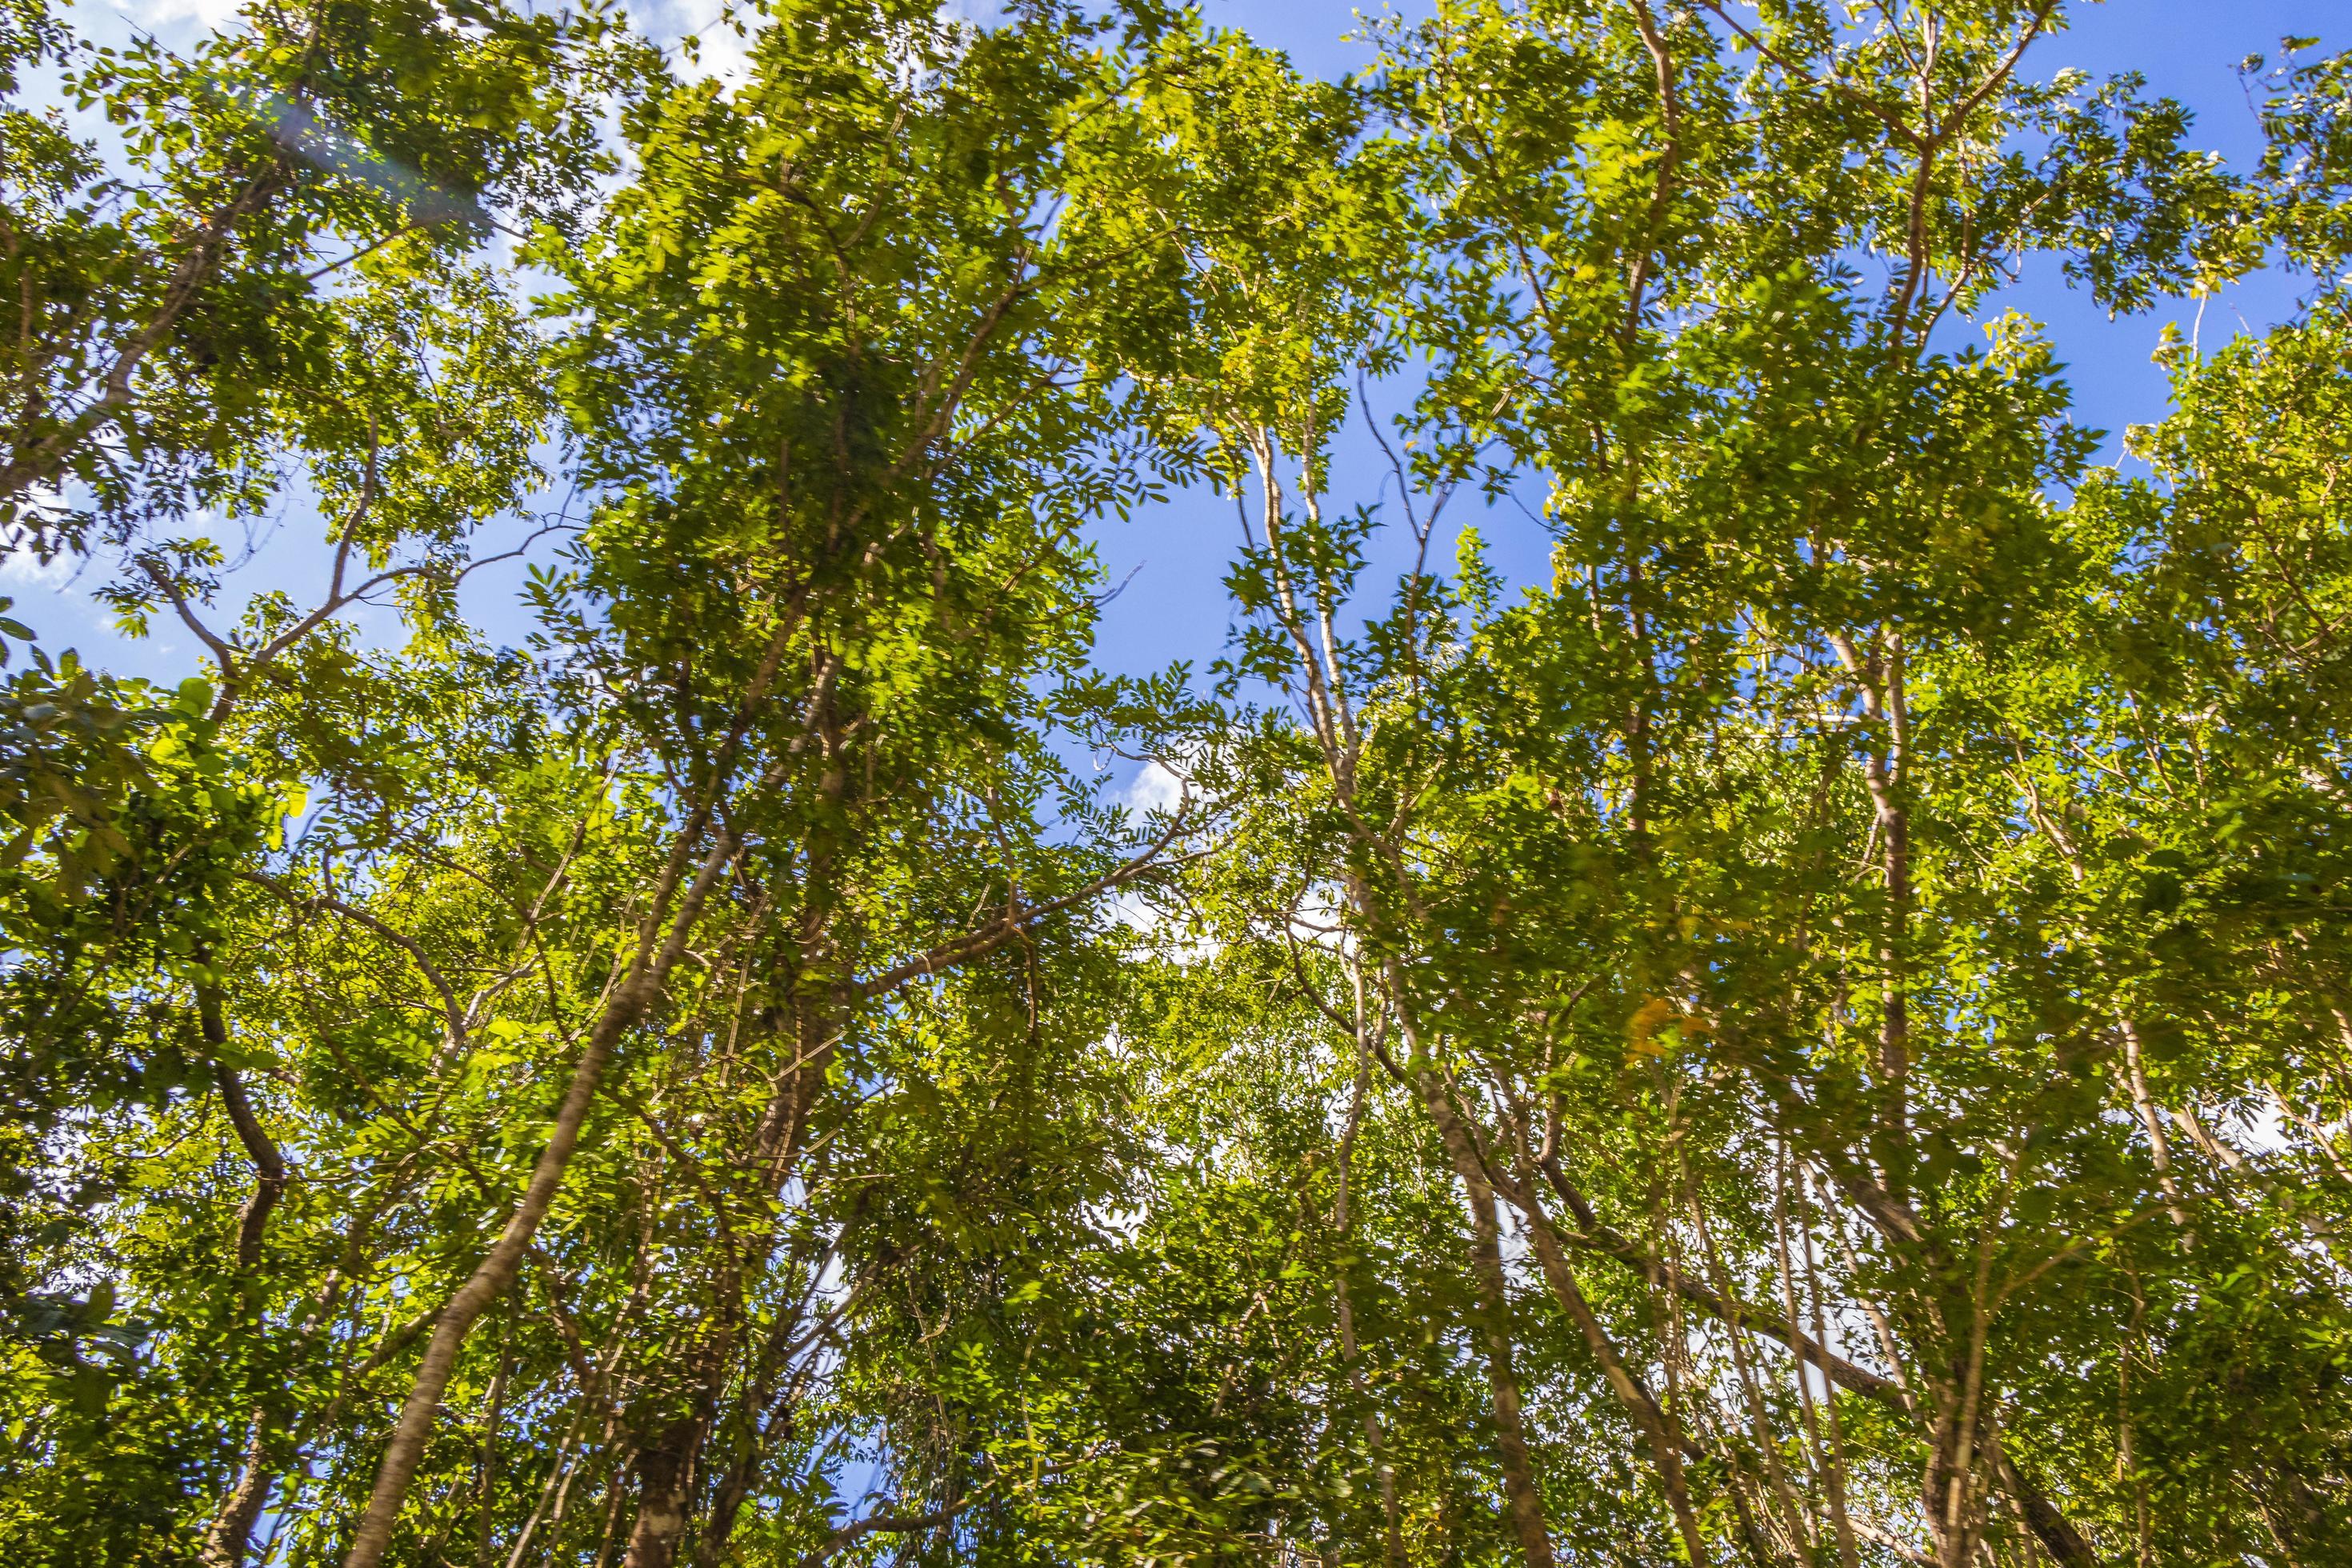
(1815, 1031)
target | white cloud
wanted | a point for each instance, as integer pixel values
(1321, 921)
(1156, 787)
(1132, 912)
(2266, 1130)
(211, 16)
(25, 569)
(721, 53)
(1125, 1221)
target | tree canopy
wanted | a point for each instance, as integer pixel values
(1815, 1029)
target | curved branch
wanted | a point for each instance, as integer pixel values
(1017, 920)
(451, 1011)
(849, 1535)
(270, 1163)
(194, 269)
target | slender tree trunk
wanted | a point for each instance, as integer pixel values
(665, 1476)
(2057, 1534)
(231, 1532)
(227, 1540)
(1880, 680)
(775, 1153)
(1391, 1535)
(486, 1492)
(1832, 1465)
(2160, 1147)
(497, 1270)
(42, 461)
(1526, 1503)
(1343, 1222)
(1641, 1407)
(269, 1163)
(1639, 1404)
(1946, 1484)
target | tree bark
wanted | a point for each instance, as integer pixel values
(1639, 1404)
(1879, 679)
(43, 460)
(2159, 1148)
(231, 1533)
(666, 1473)
(2057, 1534)
(1343, 1222)
(1526, 1503)
(269, 1163)
(630, 1003)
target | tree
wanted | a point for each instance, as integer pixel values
(1712, 908)
(1814, 1032)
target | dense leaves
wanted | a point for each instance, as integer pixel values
(619, 1017)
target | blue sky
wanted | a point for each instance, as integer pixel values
(1174, 607)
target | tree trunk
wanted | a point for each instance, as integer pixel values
(231, 1533)
(1639, 1404)
(232, 1528)
(2056, 1533)
(1494, 1321)
(497, 1270)
(665, 1487)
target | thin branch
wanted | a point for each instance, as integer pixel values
(453, 1014)
(1019, 919)
(849, 1535)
